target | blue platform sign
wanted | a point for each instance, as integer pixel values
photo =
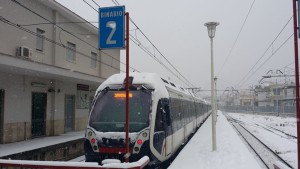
(112, 27)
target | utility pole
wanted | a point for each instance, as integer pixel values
(297, 75)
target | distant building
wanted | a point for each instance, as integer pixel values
(263, 96)
(289, 98)
(246, 99)
(48, 73)
(274, 98)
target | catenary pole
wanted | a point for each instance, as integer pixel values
(296, 76)
(127, 88)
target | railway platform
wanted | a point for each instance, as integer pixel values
(231, 151)
(59, 148)
(20, 150)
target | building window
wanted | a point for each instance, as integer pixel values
(40, 39)
(93, 60)
(71, 48)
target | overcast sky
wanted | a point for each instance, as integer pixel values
(176, 27)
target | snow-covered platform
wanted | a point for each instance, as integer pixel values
(231, 151)
(37, 143)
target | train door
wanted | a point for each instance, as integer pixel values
(162, 139)
(69, 113)
(39, 107)
(1, 115)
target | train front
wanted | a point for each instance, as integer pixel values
(105, 134)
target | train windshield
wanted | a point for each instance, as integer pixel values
(108, 113)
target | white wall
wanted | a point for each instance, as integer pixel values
(55, 55)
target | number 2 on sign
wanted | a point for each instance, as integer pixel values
(112, 25)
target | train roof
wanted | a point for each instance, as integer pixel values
(151, 80)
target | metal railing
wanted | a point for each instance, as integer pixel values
(280, 110)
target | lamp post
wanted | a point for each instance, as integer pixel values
(216, 95)
(211, 28)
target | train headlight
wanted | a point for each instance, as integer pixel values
(145, 134)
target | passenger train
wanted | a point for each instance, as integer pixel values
(162, 116)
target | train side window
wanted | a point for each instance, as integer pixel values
(175, 110)
(159, 123)
(168, 117)
(166, 110)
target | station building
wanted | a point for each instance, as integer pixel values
(50, 68)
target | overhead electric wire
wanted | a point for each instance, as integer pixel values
(236, 39)
(20, 4)
(271, 44)
(225, 81)
(25, 7)
(47, 23)
(287, 65)
(268, 58)
(6, 21)
(160, 52)
(96, 3)
(136, 42)
(117, 3)
(90, 5)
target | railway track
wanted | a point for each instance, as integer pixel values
(267, 156)
(270, 129)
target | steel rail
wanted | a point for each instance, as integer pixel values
(264, 159)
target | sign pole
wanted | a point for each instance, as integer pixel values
(127, 87)
(112, 30)
(296, 76)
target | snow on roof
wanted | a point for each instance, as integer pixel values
(150, 79)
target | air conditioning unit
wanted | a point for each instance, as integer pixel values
(23, 51)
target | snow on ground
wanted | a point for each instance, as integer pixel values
(231, 152)
(22, 146)
(285, 146)
(286, 124)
